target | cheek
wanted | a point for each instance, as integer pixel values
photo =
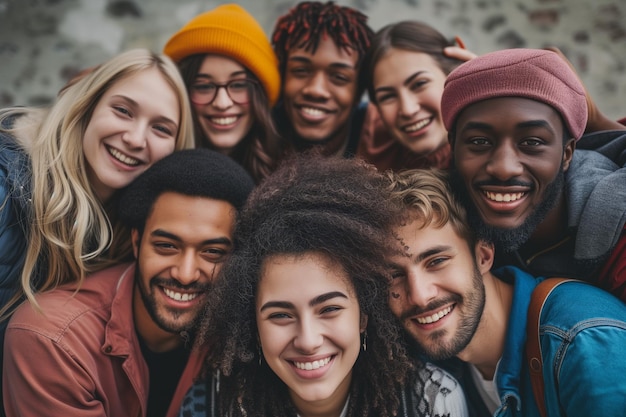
(388, 114)
(160, 148)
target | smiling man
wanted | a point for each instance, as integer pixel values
(320, 48)
(514, 118)
(453, 306)
(119, 345)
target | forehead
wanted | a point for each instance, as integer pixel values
(510, 112)
(326, 54)
(219, 65)
(416, 238)
(400, 63)
(191, 217)
(302, 276)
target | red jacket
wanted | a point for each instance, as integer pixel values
(81, 356)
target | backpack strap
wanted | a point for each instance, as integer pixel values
(533, 347)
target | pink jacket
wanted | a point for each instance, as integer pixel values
(81, 357)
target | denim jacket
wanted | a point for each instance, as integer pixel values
(583, 339)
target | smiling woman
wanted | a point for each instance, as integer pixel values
(298, 323)
(62, 168)
(232, 77)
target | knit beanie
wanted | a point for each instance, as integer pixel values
(536, 74)
(191, 172)
(231, 31)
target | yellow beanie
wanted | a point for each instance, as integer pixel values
(231, 31)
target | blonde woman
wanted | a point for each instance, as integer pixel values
(61, 169)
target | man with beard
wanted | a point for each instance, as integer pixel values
(120, 344)
(514, 118)
(454, 307)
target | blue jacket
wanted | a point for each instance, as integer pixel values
(583, 341)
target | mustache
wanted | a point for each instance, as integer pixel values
(432, 306)
(508, 183)
(172, 283)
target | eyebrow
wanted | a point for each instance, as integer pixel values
(315, 301)
(425, 254)
(168, 235)
(133, 103)
(305, 60)
(232, 74)
(522, 125)
(406, 82)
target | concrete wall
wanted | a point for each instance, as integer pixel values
(44, 42)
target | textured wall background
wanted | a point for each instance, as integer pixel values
(44, 42)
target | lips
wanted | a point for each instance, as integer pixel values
(313, 114)
(223, 121)
(122, 157)
(179, 296)
(311, 366)
(435, 317)
(420, 124)
(503, 197)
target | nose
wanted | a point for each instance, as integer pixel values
(317, 87)
(421, 290)
(309, 338)
(409, 105)
(222, 100)
(504, 163)
(135, 136)
(186, 270)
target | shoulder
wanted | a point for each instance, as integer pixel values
(576, 306)
(70, 308)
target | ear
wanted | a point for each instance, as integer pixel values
(135, 238)
(568, 153)
(363, 323)
(484, 252)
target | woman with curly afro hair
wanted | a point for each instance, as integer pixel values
(298, 323)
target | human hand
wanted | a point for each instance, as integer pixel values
(458, 52)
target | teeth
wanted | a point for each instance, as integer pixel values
(179, 296)
(309, 366)
(435, 317)
(223, 121)
(506, 197)
(122, 158)
(312, 112)
(417, 126)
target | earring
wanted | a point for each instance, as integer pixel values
(260, 353)
(364, 341)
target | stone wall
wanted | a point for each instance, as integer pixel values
(44, 42)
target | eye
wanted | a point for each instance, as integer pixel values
(299, 71)
(279, 316)
(123, 110)
(385, 98)
(437, 262)
(531, 142)
(163, 129)
(203, 87)
(239, 85)
(330, 309)
(418, 84)
(215, 254)
(164, 247)
(340, 78)
(479, 141)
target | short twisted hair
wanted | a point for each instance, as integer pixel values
(330, 206)
(309, 21)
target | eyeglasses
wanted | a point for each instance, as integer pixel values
(238, 90)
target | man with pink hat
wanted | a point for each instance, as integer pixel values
(514, 118)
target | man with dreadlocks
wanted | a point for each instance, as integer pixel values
(320, 48)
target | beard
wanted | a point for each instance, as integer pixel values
(508, 240)
(165, 317)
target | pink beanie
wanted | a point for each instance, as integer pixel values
(531, 73)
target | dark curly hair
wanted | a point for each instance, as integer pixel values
(306, 23)
(331, 206)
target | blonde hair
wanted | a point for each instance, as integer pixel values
(72, 233)
(428, 198)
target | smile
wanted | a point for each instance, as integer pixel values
(503, 197)
(224, 121)
(310, 366)
(125, 159)
(313, 111)
(434, 317)
(179, 296)
(417, 126)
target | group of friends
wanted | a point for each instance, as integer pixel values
(229, 229)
